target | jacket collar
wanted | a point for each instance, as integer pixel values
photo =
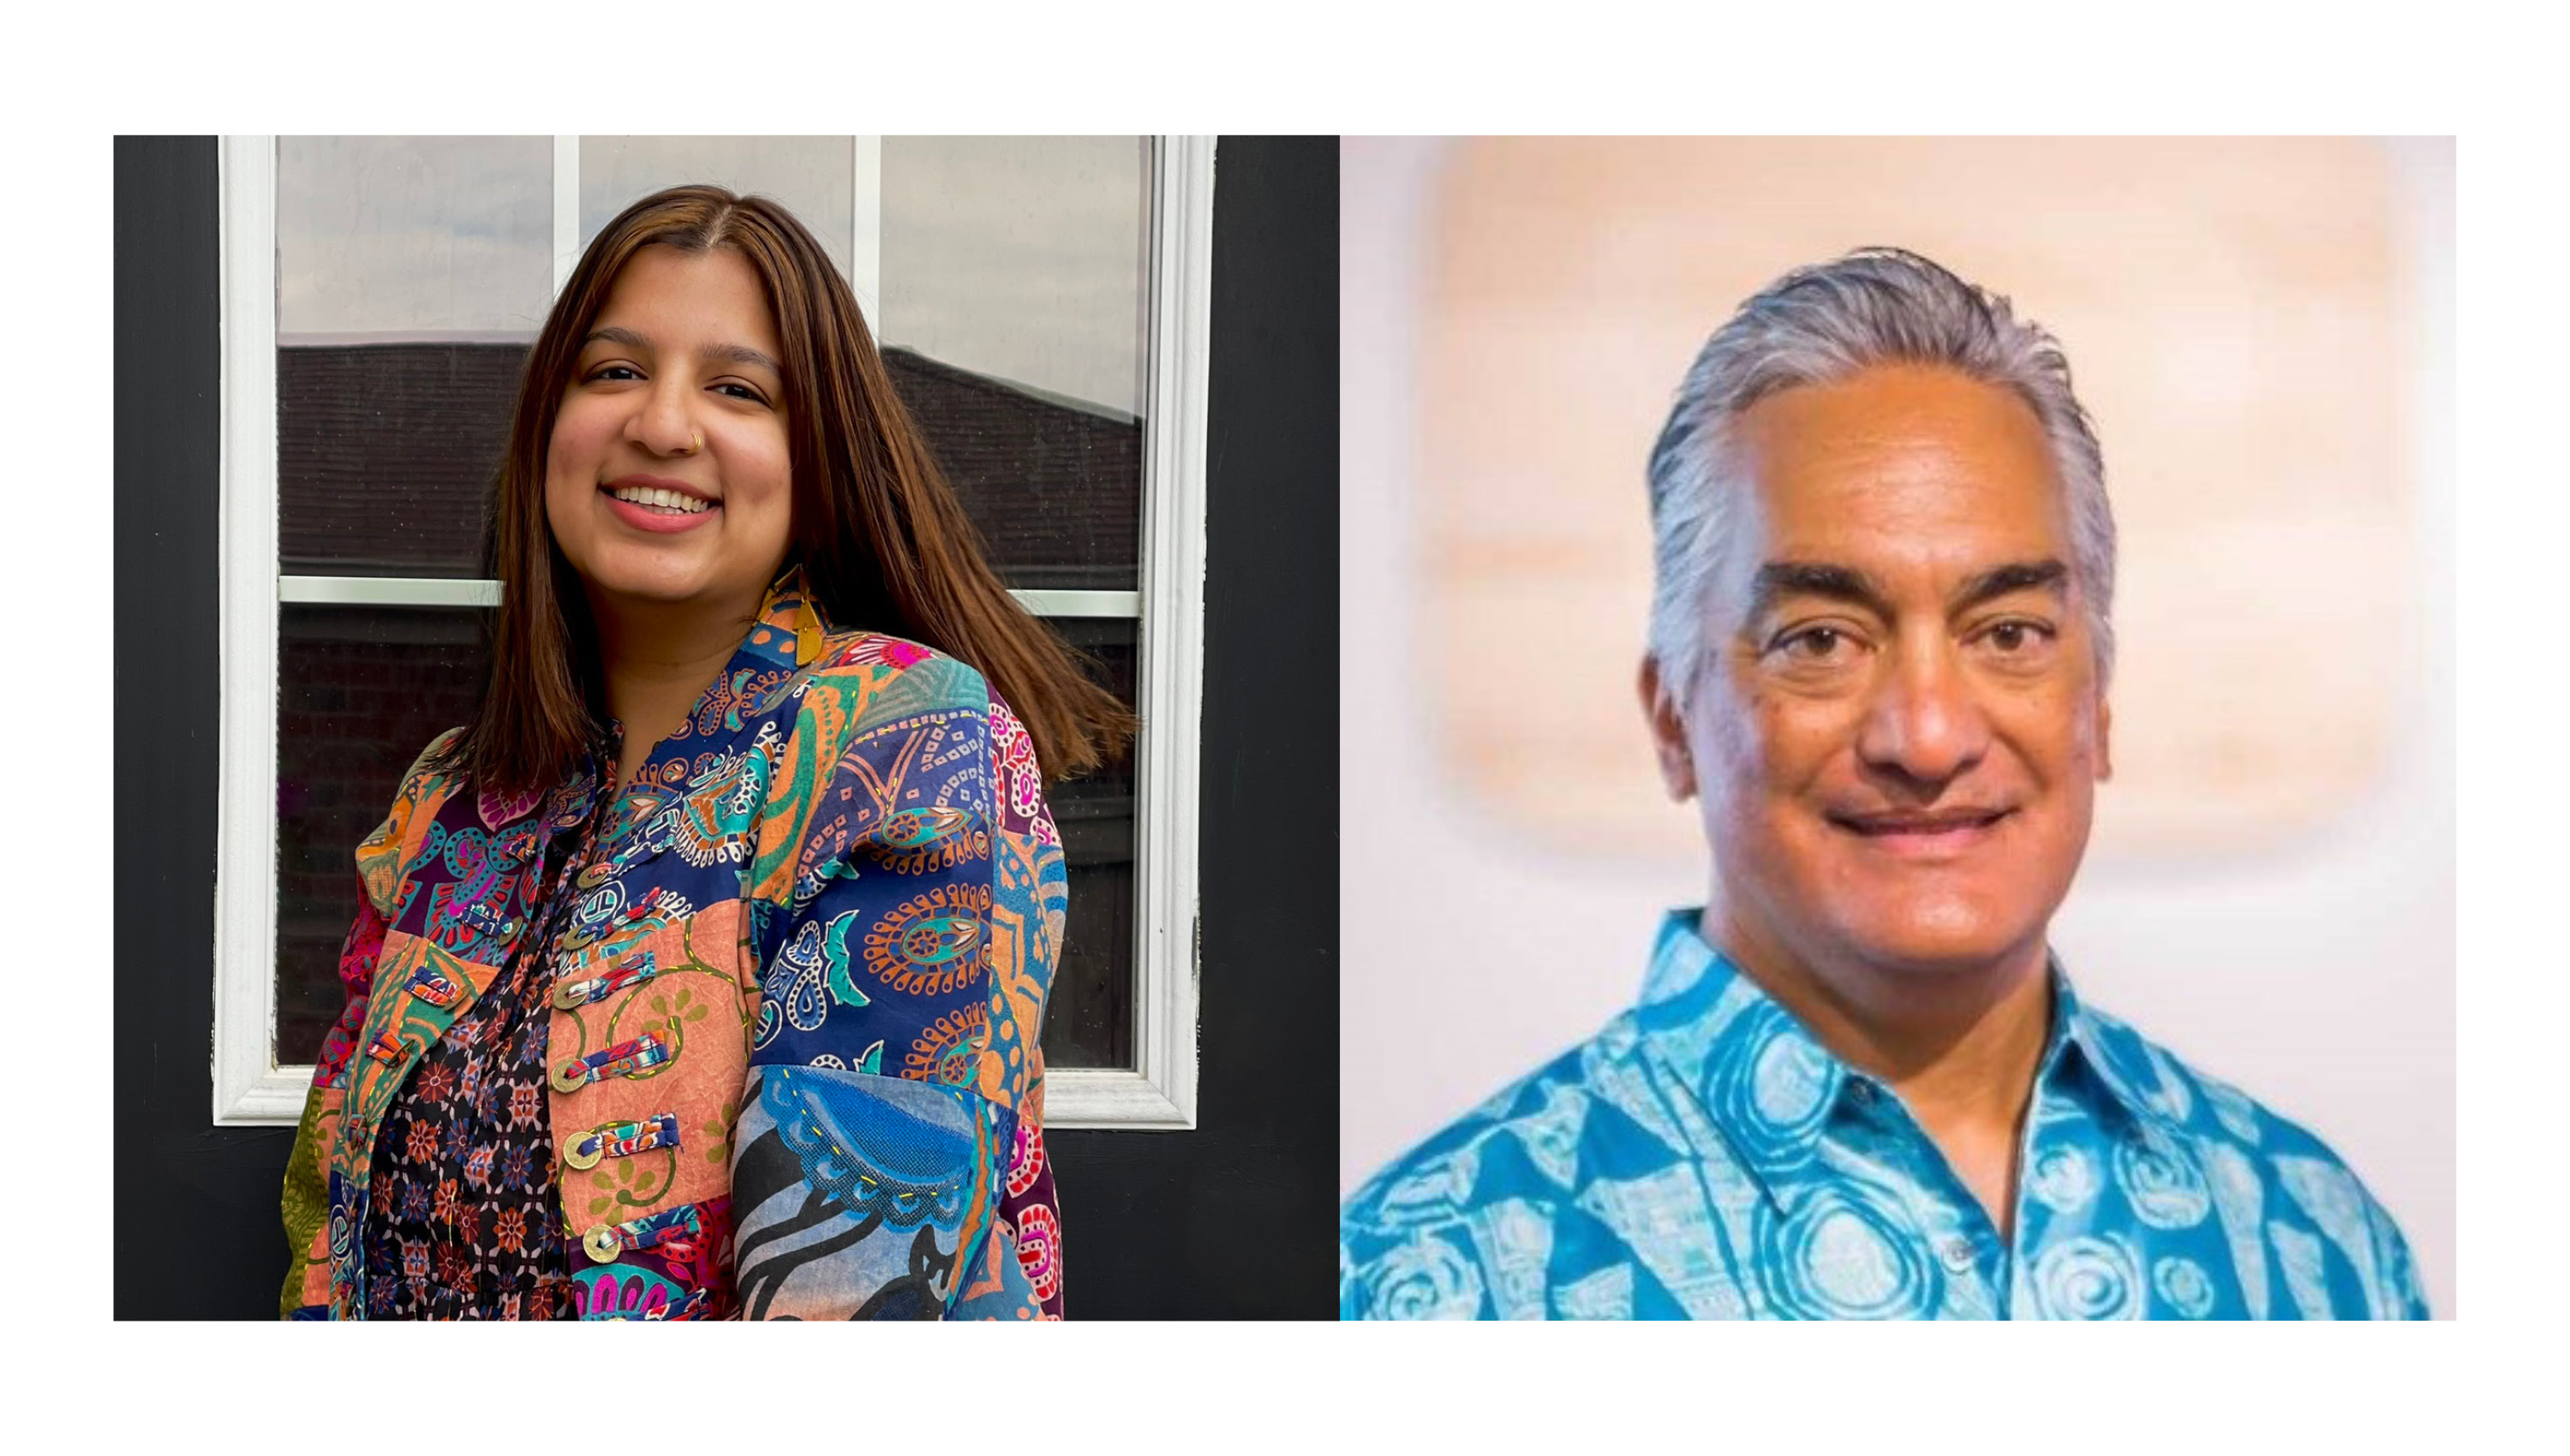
(791, 627)
(1769, 1086)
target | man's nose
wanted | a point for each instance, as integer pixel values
(1923, 722)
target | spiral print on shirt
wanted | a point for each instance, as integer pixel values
(2165, 1188)
(2088, 1277)
(1840, 1257)
(1775, 1096)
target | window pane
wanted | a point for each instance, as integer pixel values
(413, 237)
(360, 691)
(386, 454)
(411, 273)
(812, 176)
(1014, 318)
(1088, 1023)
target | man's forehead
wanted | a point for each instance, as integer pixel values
(1896, 470)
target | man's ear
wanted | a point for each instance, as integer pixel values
(2105, 721)
(1668, 733)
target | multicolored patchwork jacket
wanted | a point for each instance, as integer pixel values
(809, 958)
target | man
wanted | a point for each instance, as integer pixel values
(1856, 1084)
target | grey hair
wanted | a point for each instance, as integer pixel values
(1819, 325)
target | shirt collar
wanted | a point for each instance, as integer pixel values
(1770, 1086)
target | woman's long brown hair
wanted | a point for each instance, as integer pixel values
(882, 541)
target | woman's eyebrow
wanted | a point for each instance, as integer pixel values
(725, 353)
(744, 354)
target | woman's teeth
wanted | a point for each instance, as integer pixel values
(684, 503)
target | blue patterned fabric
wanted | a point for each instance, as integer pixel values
(1703, 1157)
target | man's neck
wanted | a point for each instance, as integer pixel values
(1960, 1045)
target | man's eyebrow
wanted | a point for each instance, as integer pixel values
(726, 353)
(1776, 579)
(2003, 581)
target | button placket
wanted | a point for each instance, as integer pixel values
(623, 1140)
(571, 996)
(430, 986)
(624, 1060)
(605, 1243)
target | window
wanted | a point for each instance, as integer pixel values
(1041, 304)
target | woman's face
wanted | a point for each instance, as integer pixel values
(667, 480)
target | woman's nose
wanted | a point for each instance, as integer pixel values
(663, 420)
(1923, 724)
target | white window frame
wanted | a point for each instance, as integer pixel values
(1159, 1091)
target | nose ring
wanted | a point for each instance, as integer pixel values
(696, 442)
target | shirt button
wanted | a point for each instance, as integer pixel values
(1958, 1254)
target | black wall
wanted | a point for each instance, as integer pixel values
(1235, 1218)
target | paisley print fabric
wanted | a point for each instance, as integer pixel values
(1703, 1157)
(807, 946)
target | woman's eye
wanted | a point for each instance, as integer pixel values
(742, 391)
(607, 372)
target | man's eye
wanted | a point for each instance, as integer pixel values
(2014, 638)
(1815, 644)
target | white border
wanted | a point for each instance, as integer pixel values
(247, 1080)
(483, 592)
(1158, 1093)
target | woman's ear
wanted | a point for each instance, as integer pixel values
(1668, 733)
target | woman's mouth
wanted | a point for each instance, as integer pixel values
(657, 505)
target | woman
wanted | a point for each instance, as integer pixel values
(701, 973)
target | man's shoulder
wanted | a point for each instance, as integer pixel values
(1474, 1210)
(2255, 1158)
(2188, 1098)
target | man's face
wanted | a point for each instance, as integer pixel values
(1898, 725)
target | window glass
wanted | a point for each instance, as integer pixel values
(385, 454)
(411, 273)
(412, 238)
(1088, 1020)
(812, 176)
(1016, 282)
(360, 691)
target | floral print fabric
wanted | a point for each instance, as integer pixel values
(1704, 1156)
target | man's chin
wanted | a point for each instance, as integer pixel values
(1941, 946)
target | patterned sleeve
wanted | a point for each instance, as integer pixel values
(904, 977)
(307, 1200)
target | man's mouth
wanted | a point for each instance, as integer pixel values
(1937, 832)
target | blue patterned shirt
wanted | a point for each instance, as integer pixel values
(1703, 1157)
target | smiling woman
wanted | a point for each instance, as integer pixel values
(701, 974)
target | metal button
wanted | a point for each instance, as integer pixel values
(585, 1152)
(602, 1243)
(571, 1076)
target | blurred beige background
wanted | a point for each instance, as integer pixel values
(2260, 328)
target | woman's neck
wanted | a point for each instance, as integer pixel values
(655, 659)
